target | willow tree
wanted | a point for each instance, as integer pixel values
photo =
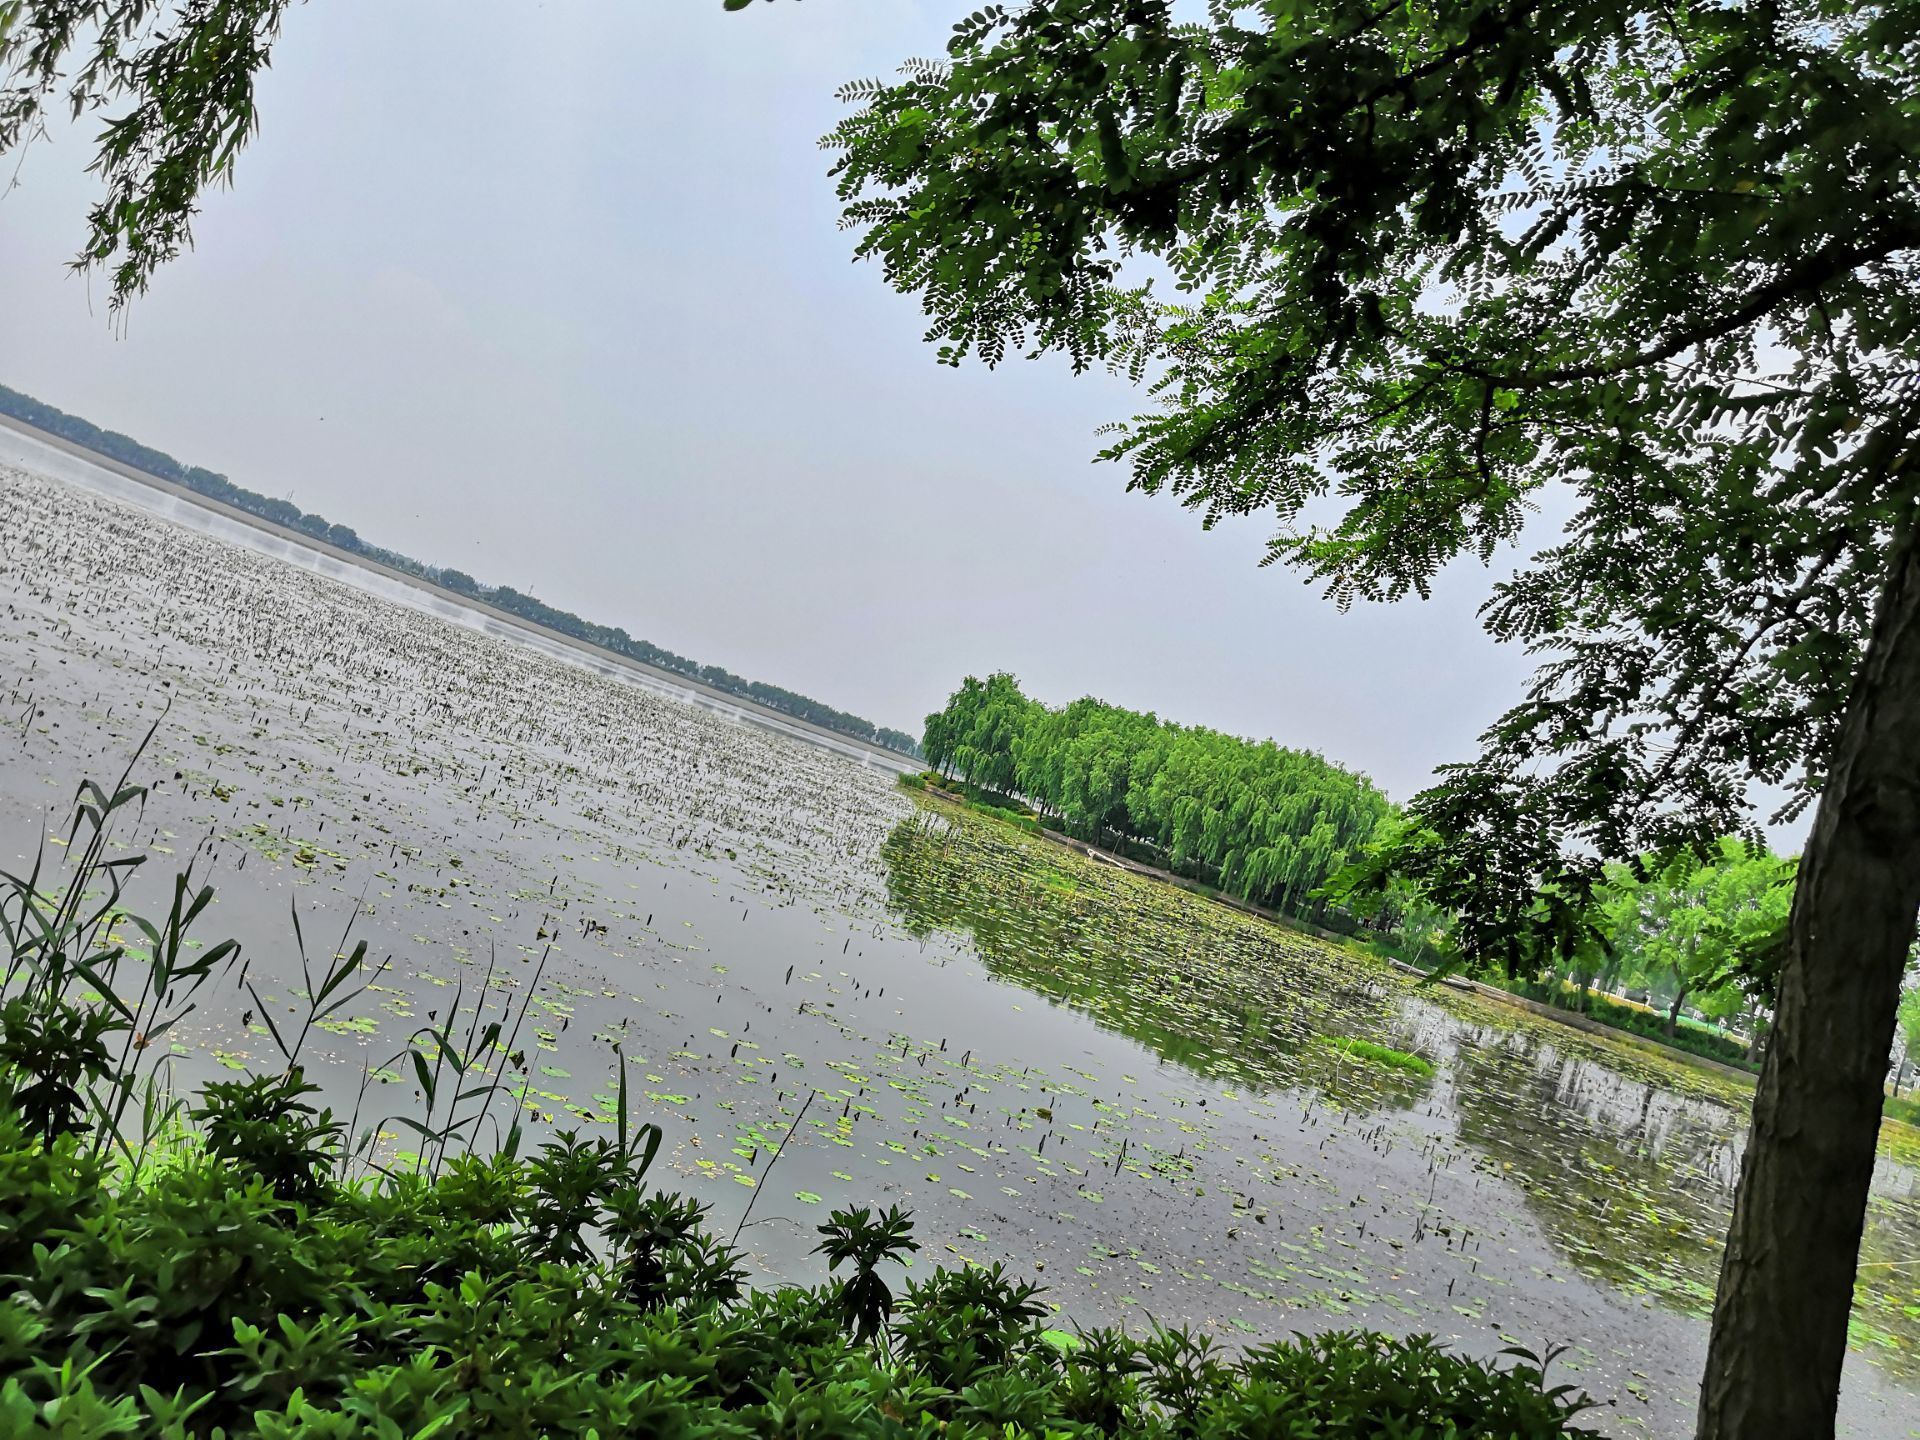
(1268, 823)
(1419, 262)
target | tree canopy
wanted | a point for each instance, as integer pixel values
(1394, 271)
(1428, 261)
(1681, 927)
(1264, 822)
(179, 77)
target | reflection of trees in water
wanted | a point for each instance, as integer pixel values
(1222, 994)
(1629, 1181)
(1633, 1182)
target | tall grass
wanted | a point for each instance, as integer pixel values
(91, 992)
(1379, 1054)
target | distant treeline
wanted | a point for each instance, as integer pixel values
(1260, 821)
(158, 463)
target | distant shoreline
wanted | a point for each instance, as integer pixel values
(764, 716)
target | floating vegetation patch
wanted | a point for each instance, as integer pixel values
(1379, 1054)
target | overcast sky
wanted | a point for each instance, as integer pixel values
(555, 294)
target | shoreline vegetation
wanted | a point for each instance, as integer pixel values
(1550, 1000)
(1255, 820)
(1298, 837)
(239, 1262)
(1008, 811)
(211, 486)
(1604, 1014)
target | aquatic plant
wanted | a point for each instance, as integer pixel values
(1379, 1054)
(282, 512)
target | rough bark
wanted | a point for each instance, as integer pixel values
(1786, 1280)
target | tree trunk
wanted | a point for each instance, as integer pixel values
(1786, 1280)
(1673, 1014)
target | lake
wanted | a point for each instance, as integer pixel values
(1120, 1088)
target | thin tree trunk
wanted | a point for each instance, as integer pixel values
(1786, 1281)
(1673, 1015)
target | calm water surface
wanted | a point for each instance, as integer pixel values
(1052, 1063)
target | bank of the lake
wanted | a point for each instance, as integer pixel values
(956, 793)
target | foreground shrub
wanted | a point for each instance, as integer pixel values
(514, 1298)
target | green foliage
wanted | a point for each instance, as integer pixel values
(1685, 930)
(1904, 1108)
(1427, 262)
(1686, 926)
(51, 1053)
(1380, 1054)
(863, 1240)
(1910, 1020)
(77, 1069)
(416, 1306)
(263, 1127)
(178, 80)
(1688, 1035)
(1264, 823)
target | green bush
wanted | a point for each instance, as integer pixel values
(1904, 1108)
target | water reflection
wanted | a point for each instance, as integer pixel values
(1625, 1161)
(1233, 1001)
(1635, 1182)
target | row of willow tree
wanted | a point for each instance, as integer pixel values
(1281, 828)
(1262, 822)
